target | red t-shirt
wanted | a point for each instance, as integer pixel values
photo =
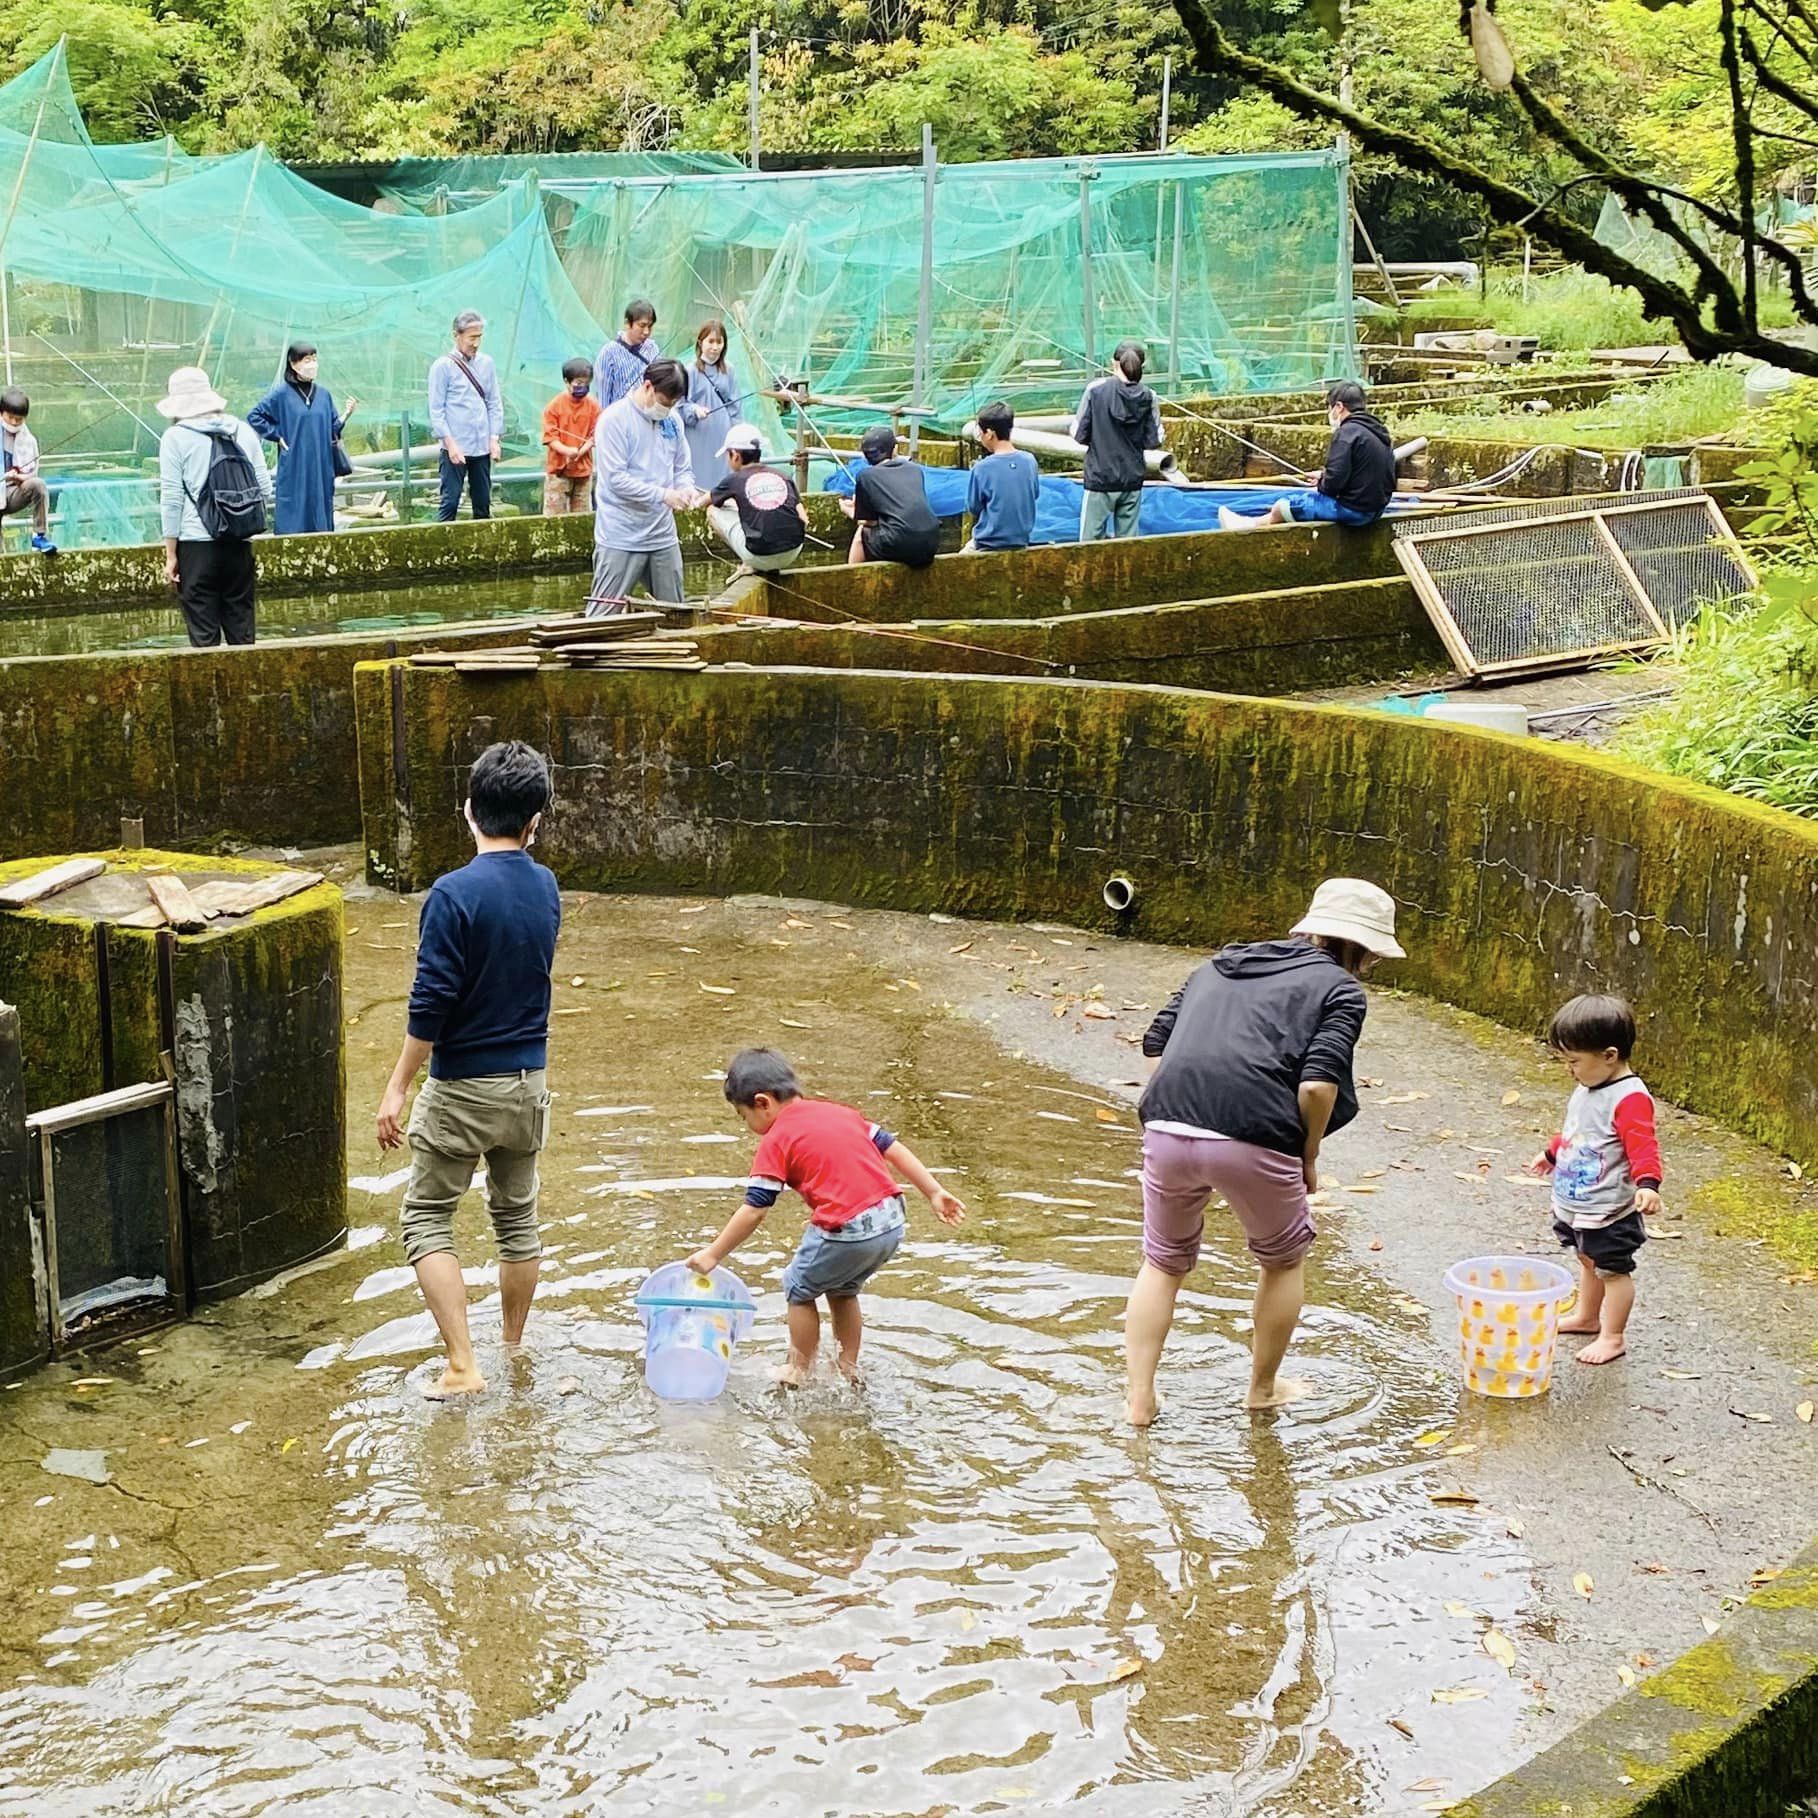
(830, 1154)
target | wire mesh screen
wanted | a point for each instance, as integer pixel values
(1677, 559)
(1523, 592)
(108, 1193)
(1525, 511)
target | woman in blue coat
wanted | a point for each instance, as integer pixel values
(299, 415)
(712, 405)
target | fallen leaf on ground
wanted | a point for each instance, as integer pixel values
(1100, 1013)
(1627, 1676)
(1125, 1669)
(1511, 1098)
(1499, 1648)
(285, 1447)
(1516, 1530)
(1461, 1499)
(1527, 1180)
(1766, 1420)
(1644, 1660)
(1766, 1575)
(789, 1022)
(1804, 1411)
(1400, 1728)
(1459, 1694)
(1361, 1186)
(1458, 1451)
(963, 947)
(720, 990)
(1711, 1624)
(1429, 1785)
(1405, 1098)
(1455, 1608)
(1107, 1117)
(1584, 1584)
(1437, 1437)
(1681, 1375)
(93, 1382)
(1376, 1243)
(578, 979)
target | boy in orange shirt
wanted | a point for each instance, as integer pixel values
(568, 423)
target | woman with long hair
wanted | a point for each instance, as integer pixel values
(712, 405)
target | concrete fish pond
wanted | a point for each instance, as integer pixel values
(249, 1568)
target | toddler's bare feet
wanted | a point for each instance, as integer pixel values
(453, 1382)
(1605, 1350)
(1141, 1407)
(1278, 1394)
(1588, 1331)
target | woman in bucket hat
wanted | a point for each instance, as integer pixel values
(1252, 1070)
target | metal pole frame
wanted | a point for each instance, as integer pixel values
(1088, 301)
(1180, 209)
(924, 314)
(752, 100)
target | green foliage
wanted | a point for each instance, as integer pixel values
(138, 72)
(1787, 474)
(1744, 716)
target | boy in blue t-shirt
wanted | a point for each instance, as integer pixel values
(479, 1014)
(1004, 486)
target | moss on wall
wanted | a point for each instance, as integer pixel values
(1057, 578)
(1265, 643)
(261, 1098)
(1529, 871)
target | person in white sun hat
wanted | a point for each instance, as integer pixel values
(755, 508)
(214, 497)
(1251, 1062)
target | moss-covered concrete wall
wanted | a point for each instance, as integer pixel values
(1526, 871)
(1057, 578)
(253, 744)
(24, 1320)
(1260, 643)
(261, 1097)
(1729, 1730)
(343, 560)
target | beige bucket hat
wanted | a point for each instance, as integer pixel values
(191, 395)
(1351, 909)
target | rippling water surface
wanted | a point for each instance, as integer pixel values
(963, 1587)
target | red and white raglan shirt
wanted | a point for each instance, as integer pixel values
(1605, 1152)
(832, 1155)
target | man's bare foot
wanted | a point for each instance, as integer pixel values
(453, 1382)
(1284, 1390)
(791, 1375)
(1141, 1407)
(1605, 1350)
(1589, 1331)
(849, 1368)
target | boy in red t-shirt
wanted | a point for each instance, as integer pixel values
(835, 1159)
(569, 420)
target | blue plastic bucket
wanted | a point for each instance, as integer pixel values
(691, 1325)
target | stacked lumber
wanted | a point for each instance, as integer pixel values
(621, 640)
(176, 905)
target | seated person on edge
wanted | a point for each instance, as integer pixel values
(1358, 479)
(841, 1164)
(756, 510)
(24, 487)
(890, 501)
(1003, 489)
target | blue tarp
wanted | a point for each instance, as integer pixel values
(1167, 510)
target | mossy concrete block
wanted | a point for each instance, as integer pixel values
(1056, 578)
(1528, 871)
(253, 1023)
(346, 560)
(1263, 643)
(205, 746)
(24, 1325)
(1729, 1728)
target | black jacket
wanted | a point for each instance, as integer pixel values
(1117, 421)
(1240, 1036)
(1360, 464)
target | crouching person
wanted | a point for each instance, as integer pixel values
(479, 1014)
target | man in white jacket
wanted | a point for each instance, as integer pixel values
(642, 478)
(24, 486)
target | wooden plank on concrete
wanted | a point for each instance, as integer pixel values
(173, 899)
(615, 625)
(40, 884)
(237, 896)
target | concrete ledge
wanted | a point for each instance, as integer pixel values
(1257, 643)
(1729, 1730)
(1526, 870)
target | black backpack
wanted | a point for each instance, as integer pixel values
(232, 501)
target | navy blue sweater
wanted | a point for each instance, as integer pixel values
(485, 943)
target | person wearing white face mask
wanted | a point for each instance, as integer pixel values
(299, 415)
(642, 478)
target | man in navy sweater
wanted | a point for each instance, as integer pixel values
(479, 1014)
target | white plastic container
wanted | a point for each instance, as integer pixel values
(1508, 1322)
(1492, 716)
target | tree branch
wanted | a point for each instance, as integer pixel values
(1704, 338)
(1744, 140)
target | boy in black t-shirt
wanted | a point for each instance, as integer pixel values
(756, 510)
(890, 502)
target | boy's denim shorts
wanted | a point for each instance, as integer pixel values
(839, 1263)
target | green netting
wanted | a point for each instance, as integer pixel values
(1643, 243)
(437, 186)
(1039, 269)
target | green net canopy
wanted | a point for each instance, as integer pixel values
(439, 185)
(1039, 268)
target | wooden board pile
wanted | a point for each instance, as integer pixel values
(622, 640)
(172, 901)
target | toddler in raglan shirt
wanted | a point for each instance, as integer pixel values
(1605, 1167)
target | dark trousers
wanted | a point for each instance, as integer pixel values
(215, 582)
(478, 472)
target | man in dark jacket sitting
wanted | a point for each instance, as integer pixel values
(1358, 479)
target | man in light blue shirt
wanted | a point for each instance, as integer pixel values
(624, 360)
(642, 477)
(467, 417)
(1002, 492)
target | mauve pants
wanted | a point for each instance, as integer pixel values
(1266, 1190)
